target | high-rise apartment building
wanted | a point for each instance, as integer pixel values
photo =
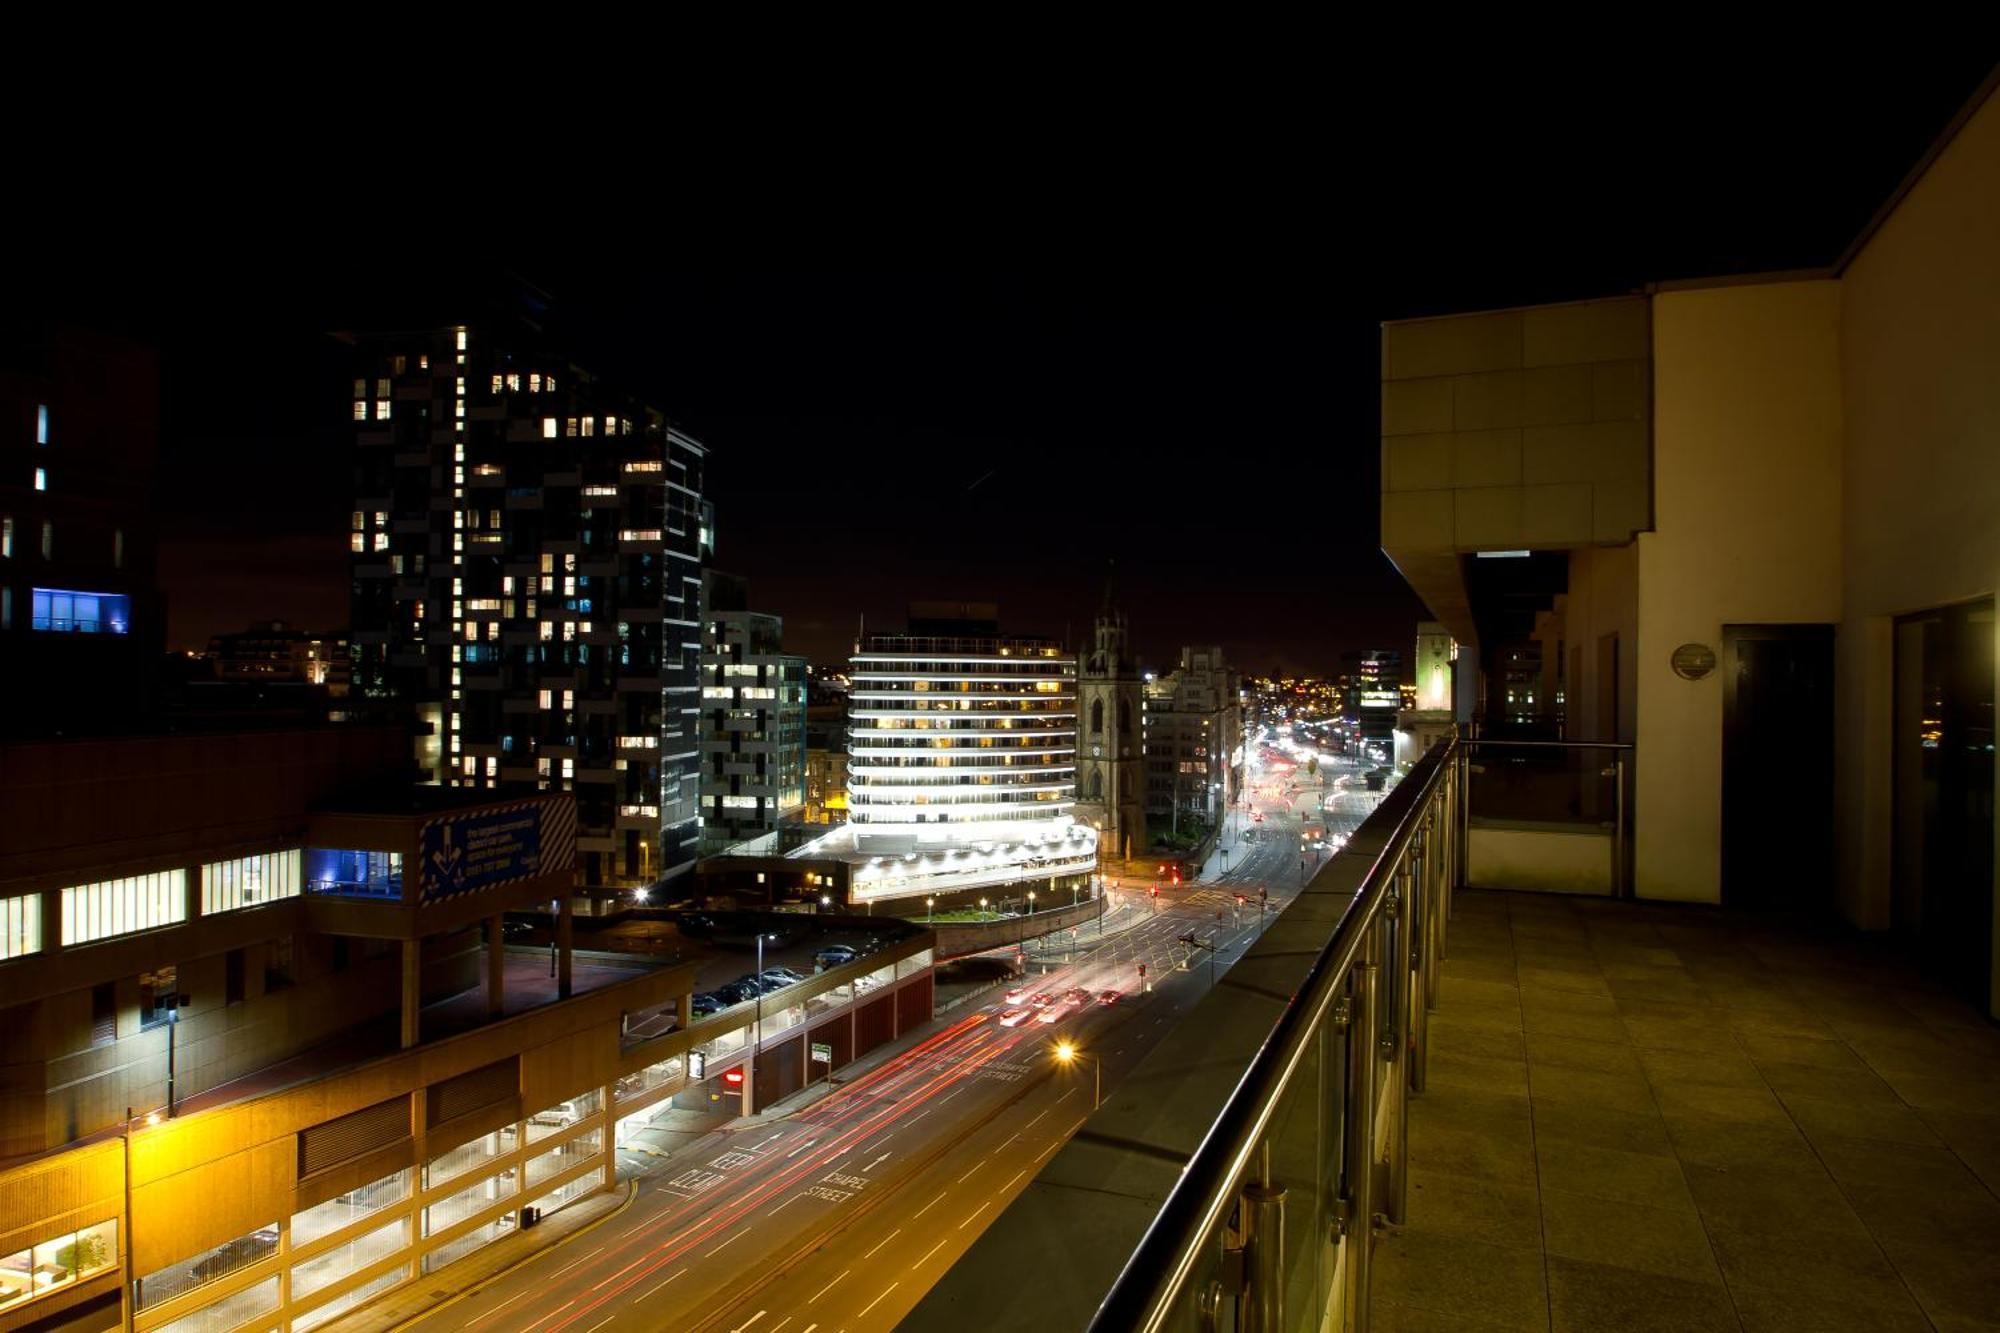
(961, 764)
(81, 622)
(528, 541)
(753, 719)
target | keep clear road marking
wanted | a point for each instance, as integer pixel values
(878, 1300)
(927, 1207)
(927, 1254)
(884, 1241)
(751, 1320)
(828, 1287)
(656, 1286)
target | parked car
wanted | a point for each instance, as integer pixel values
(735, 993)
(236, 1254)
(785, 975)
(833, 955)
(560, 1116)
(708, 1003)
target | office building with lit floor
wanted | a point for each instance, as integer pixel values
(527, 548)
(961, 767)
(753, 719)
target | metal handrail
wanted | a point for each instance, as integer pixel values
(1549, 745)
(1154, 1278)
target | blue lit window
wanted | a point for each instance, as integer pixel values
(348, 873)
(64, 611)
(41, 423)
(41, 478)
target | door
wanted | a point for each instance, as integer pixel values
(1777, 766)
(1943, 765)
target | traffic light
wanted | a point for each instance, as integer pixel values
(1142, 969)
(1156, 890)
(1177, 874)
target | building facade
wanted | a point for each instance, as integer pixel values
(961, 764)
(271, 650)
(1771, 507)
(1372, 697)
(1111, 763)
(527, 548)
(81, 619)
(753, 720)
(1193, 744)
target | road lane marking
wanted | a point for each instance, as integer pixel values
(656, 1286)
(1031, 1124)
(751, 1320)
(726, 1244)
(927, 1207)
(574, 1262)
(942, 1100)
(974, 1213)
(553, 1313)
(828, 1287)
(878, 1300)
(786, 1204)
(968, 1175)
(621, 1272)
(877, 1162)
(1016, 1176)
(600, 1323)
(927, 1254)
(501, 1306)
(767, 1142)
(884, 1241)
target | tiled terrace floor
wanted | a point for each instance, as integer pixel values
(1651, 1117)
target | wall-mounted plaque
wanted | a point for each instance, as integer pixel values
(1692, 661)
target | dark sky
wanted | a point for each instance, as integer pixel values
(1149, 350)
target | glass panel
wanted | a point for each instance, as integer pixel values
(909, 967)
(777, 1020)
(642, 1081)
(832, 999)
(323, 1270)
(192, 1272)
(326, 1218)
(466, 1156)
(568, 1153)
(1530, 785)
(881, 976)
(249, 881)
(16, 1276)
(470, 1241)
(20, 926)
(224, 1316)
(347, 1300)
(455, 1208)
(562, 1194)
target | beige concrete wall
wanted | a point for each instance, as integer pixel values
(1516, 428)
(1603, 599)
(1747, 504)
(1920, 352)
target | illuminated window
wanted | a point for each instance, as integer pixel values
(122, 906)
(20, 926)
(7, 536)
(589, 426)
(118, 548)
(41, 478)
(548, 428)
(534, 381)
(42, 423)
(381, 541)
(227, 886)
(461, 340)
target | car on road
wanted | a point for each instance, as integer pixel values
(1018, 995)
(1076, 995)
(1056, 1012)
(1043, 1000)
(1108, 997)
(1013, 1018)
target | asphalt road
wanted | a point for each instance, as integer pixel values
(842, 1215)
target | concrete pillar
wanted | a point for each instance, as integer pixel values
(565, 920)
(684, 1011)
(413, 995)
(750, 1086)
(496, 968)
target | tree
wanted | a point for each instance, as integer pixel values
(1312, 767)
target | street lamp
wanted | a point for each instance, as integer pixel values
(1066, 1053)
(825, 901)
(982, 908)
(930, 909)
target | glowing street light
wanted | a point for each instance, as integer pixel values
(930, 908)
(1067, 1053)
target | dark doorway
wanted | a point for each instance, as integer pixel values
(1777, 766)
(1943, 765)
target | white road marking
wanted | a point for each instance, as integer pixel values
(767, 1142)
(927, 1207)
(878, 1300)
(974, 1213)
(968, 1175)
(621, 1272)
(501, 1306)
(828, 1287)
(786, 1204)
(574, 1262)
(600, 1323)
(751, 1320)
(1031, 1123)
(726, 1244)
(656, 1286)
(1016, 1176)
(927, 1254)
(877, 1162)
(884, 1241)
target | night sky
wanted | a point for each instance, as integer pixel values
(988, 389)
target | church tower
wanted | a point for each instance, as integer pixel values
(1110, 763)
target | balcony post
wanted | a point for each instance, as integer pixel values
(412, 1007)
(496, 968)
(1359, 1116)
(565, 920)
